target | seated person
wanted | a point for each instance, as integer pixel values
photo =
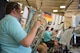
(46, 35)
(47, 38)
(55, 38)
(54, 35)
(42, 48)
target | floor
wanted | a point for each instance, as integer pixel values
(75, 50)
(72, 50)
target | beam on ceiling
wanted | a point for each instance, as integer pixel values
(69, 4)
(27, 2)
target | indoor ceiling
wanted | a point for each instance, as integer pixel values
(50, 5)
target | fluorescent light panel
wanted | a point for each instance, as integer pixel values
(55, 10)
(7, 0)
(62, 6)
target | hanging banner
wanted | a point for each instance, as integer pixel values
(47, 17)
(73, 21)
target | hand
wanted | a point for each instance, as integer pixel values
(37, 24)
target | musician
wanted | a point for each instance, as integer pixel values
(13, 38)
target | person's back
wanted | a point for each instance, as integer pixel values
(47, 35)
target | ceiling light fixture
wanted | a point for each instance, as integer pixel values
(55, 10)
(62, 6)
(8, 0)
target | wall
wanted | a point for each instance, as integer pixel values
(67, 22)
